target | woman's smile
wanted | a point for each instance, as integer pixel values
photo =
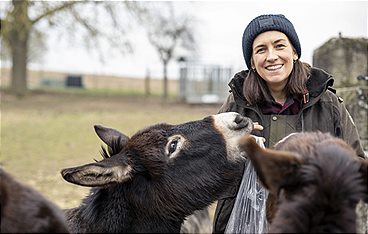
(272, 57)
(274, 67)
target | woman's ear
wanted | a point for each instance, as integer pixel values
(295, 55)
(252, 64)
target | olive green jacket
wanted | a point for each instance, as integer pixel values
(324, 112)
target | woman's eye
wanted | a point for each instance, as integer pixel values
(259, 50)
(172, 146)
(280, 46)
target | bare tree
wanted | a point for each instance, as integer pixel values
(20, 20)
(168, 32)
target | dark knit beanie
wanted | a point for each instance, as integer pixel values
(265, 23)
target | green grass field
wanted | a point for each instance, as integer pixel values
(48, 131)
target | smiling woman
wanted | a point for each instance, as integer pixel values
(282, 93)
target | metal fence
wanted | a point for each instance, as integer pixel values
(200, 83)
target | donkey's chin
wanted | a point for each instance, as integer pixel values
(237, 156)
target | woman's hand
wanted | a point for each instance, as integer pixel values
(260, 140)
(257, 126)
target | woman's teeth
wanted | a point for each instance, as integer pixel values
(274, 67)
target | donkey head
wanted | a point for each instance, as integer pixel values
(311, 177)
(157, 148)
(185, 166)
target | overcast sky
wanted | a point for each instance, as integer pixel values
(220, 32)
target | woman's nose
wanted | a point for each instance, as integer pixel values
(271, 55)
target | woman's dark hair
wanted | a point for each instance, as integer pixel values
(255, 89)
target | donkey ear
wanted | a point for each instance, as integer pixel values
(101, 173)
(272, 166)
(110, 136)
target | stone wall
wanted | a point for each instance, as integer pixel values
(346, 59)
(357, 106)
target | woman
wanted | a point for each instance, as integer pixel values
(282, 94)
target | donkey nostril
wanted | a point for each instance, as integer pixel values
(241, 122)
(238, 119)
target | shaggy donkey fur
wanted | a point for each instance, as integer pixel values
(24, 210)
(315, 179)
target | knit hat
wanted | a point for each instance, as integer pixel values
(265, 23)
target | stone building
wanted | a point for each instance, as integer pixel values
(345, 58)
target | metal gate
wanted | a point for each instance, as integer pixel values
(201, 83)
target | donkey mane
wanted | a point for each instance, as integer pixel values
(108, 151)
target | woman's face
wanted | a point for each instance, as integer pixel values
(272, 57)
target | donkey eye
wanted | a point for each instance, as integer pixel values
(175, 145)
(172, 146)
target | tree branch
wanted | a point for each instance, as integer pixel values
(52, 11)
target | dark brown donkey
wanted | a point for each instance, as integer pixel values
(315, 179)
(25, 210)
(153, 180)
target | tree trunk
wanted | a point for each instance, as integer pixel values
(165, 95)
(147, 84)
(18, 41)
(19, 66)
